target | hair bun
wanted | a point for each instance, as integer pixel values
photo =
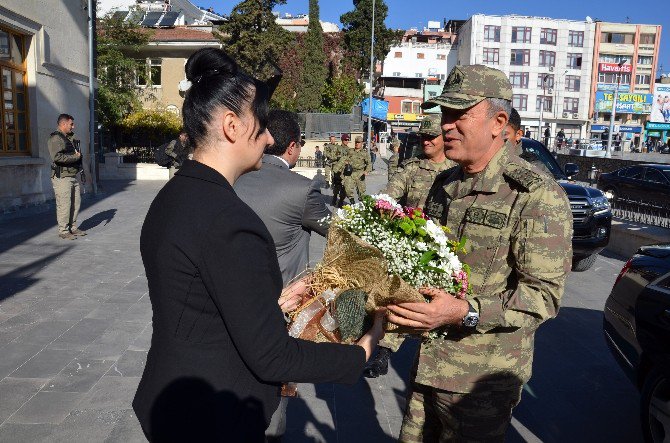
(208, 62)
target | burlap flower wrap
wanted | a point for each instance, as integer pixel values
(348, 263)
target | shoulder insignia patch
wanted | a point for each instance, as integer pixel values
(486, 217)
(523, 176)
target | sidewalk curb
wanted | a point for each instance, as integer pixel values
(627, 237)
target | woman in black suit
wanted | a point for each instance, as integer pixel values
(220, 348)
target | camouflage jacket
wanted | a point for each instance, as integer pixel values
(333, 152)
(340, 161)
(393, 165)
(359, 160)
(518, 226)
(411, 183)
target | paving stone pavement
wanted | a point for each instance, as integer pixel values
(75, 328)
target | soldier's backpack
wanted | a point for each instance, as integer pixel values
(162, 159)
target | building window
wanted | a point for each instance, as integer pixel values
(548, 103)
(572, 83)
(491, 56)
(574, 61)
(643, 79)
(571, 104)
(410, 107)
(647, 39)
(519, 79)
(396, 74)
(520, 102)
(441, 57)
(576, 39)
(521, 34)
(398, 54)
(645, 60)
(617, 37)
(151, 74)
(14, 131)
(609, 58)
(491, 33)
(420, 55)
(545, 81)
(613, 77)
(418, 74)
(547, 58)
(548, 36)
(520, 57)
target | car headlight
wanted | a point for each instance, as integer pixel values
(600, 204)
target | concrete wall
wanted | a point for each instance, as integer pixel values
(57, 78)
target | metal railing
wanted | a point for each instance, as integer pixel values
(648, 213)
(138, 154)
(309, 162)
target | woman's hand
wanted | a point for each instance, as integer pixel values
(375, 333)
(291, 296)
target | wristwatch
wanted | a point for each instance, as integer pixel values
(471, 319)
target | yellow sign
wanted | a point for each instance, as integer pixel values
(407, 117)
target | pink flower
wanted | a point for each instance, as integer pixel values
(461, 278)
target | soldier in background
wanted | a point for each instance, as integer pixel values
(338, 167)
(394, 160)
(331, 153)
(66, 164)
(410, 185)
(518, 227)
(361, 165)
(513, 134)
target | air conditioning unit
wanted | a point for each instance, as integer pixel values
(565, 115)
(575, 115)
(550, 90)
(551, 69)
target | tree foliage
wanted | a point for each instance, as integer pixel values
(357, 30)
(341, 94)
(252, 37)
(314, 70)
(116, 95)
(154, 124)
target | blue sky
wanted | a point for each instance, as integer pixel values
(416, 13)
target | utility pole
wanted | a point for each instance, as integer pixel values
(91, 93)
(608, 153)
(372, 59)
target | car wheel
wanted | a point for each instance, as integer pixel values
(581, 264)
(655, 406)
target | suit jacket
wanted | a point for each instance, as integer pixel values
(290, 205)
(220, 347)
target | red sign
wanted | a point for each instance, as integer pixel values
(614, 67)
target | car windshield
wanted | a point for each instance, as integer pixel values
(539, 152)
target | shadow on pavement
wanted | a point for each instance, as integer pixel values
(92, 222)
(22, 277)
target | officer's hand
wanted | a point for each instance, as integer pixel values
(77, 153)
(291, 296)
(443, 309)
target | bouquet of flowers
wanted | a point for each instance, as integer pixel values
(378, 253)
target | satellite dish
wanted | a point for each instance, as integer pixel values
(589, 19)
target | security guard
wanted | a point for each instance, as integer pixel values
(518, 224)
(66, 164)
(361, 165)
(415, 176)
(338, 168)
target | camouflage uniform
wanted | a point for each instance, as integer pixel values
(331, 153)
(394, 160)
(359, 159)
(518, 226)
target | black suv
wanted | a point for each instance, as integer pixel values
(591, 213)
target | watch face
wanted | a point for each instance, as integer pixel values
(471, 320)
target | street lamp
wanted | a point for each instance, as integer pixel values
(608, 154)
(544, 83)
(372, 58)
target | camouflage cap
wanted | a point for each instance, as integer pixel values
(468, 85)
(430, 125)
(358, 139)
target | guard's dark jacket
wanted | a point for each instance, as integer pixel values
(219, 347)
(63, 154)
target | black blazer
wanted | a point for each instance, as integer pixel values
(219, 348)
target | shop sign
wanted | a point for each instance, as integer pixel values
(612, 87)
(614, 67)
(627, 102)
(633, 129)
(659, 126)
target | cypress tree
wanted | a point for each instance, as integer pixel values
(314, 71)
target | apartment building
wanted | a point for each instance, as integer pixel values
(626, 54)
(548, 61)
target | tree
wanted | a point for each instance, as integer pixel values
(314, 71)
(341, 94)
(252, 37)
(356, 27)
(116, 96)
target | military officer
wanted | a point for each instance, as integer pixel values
(331, 152)
(338, 166)
(518, 225)
(410, 185)
(394, 160)
(361, 165)
(66, 164)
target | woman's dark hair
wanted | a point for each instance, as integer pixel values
(216, 81)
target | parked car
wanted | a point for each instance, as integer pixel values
(591, 213)
(645, 183)
(637, 330)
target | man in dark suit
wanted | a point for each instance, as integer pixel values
(289, 204)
